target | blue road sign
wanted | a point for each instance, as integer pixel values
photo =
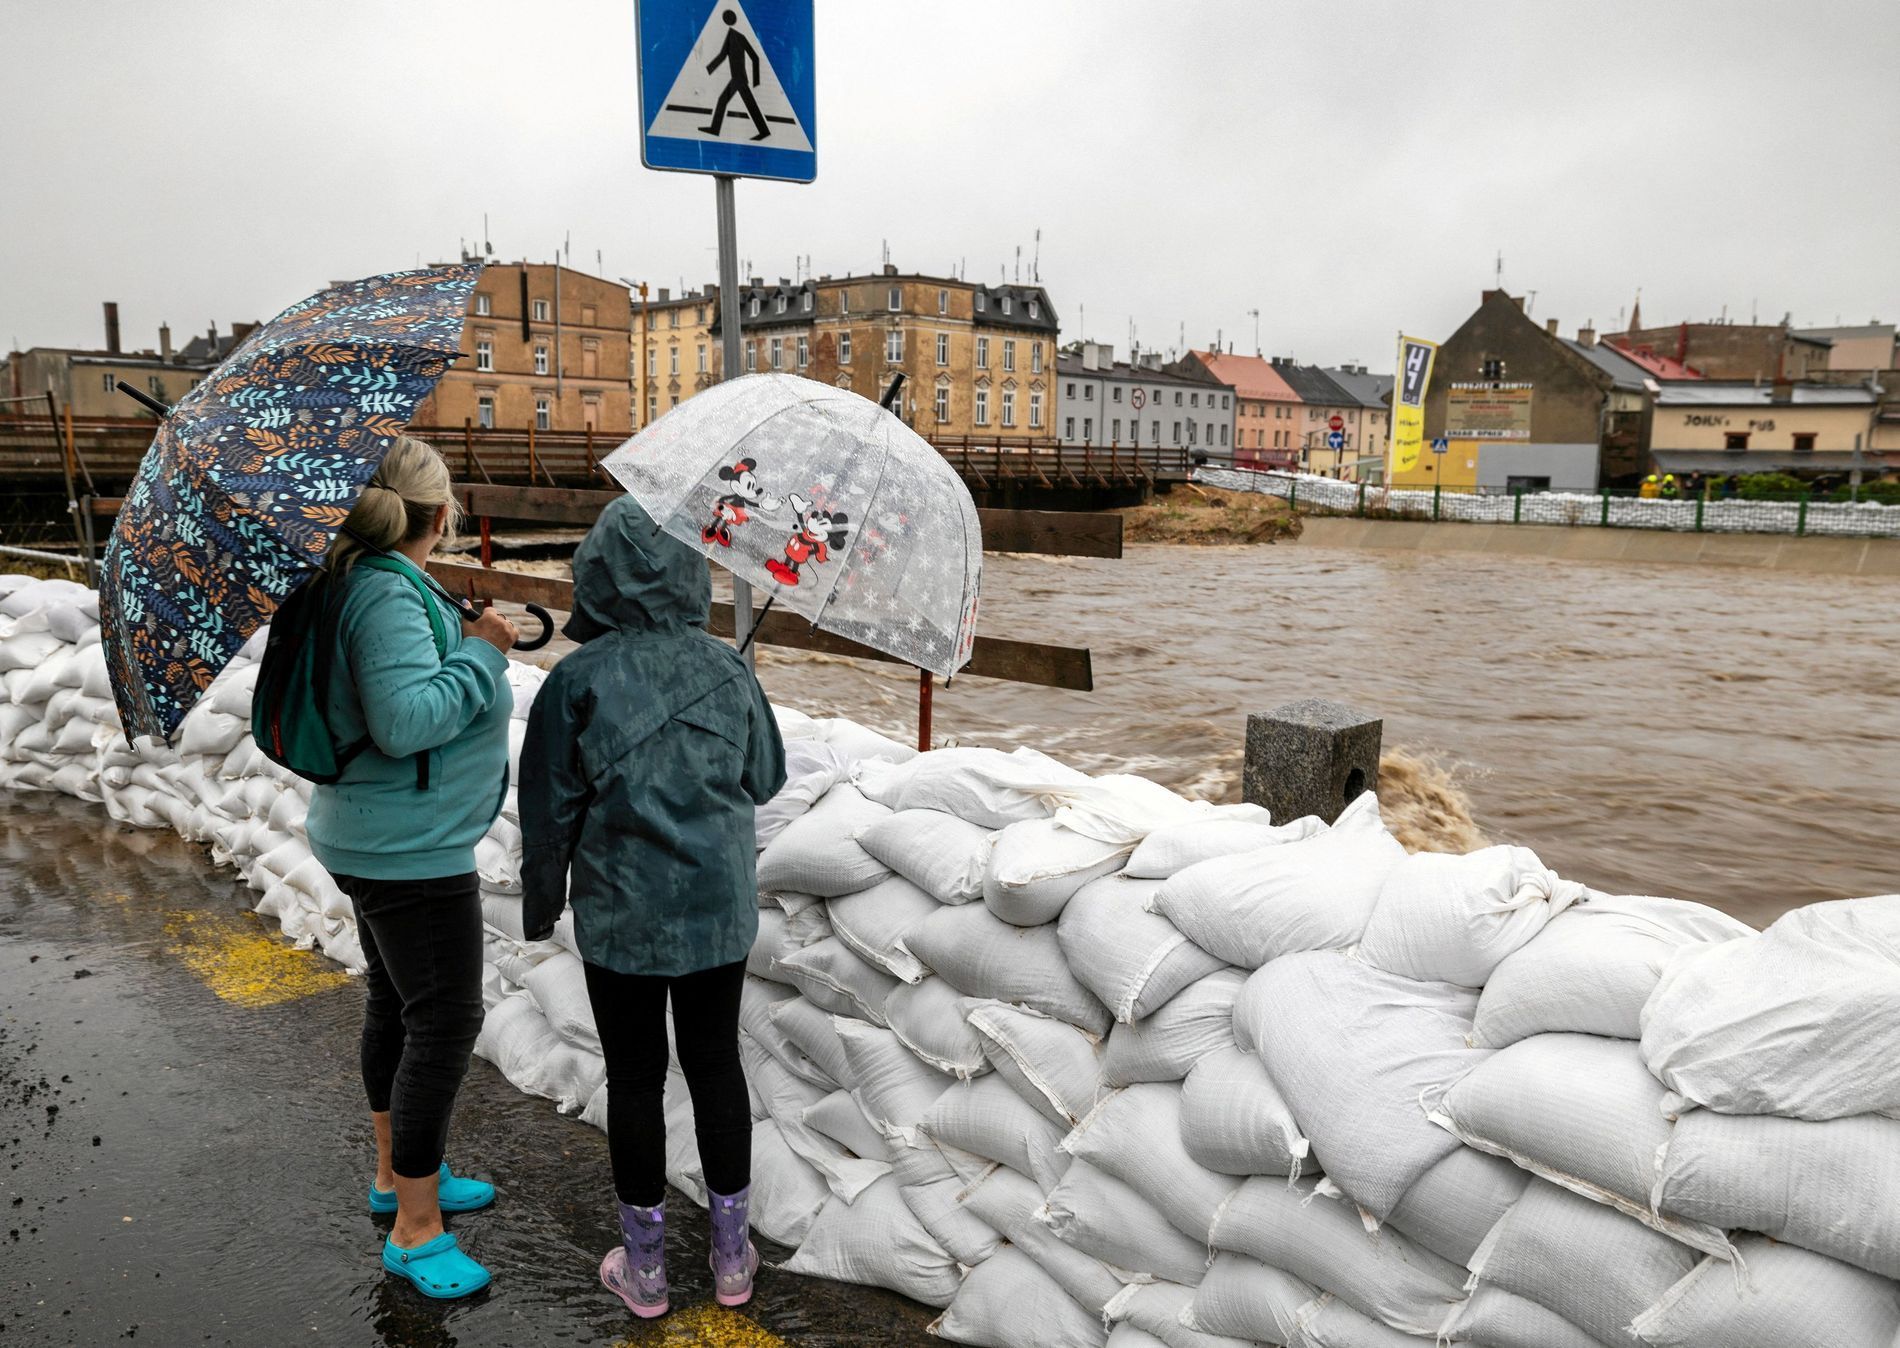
(1441, 446)
(724, 89)
(1335, 440)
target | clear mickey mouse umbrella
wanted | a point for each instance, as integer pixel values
(827, 502)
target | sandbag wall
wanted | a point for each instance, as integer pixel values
(1085, 1063)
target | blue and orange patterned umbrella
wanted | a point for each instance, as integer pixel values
(254, 471)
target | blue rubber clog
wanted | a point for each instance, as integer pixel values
(455, 1193)
(437, 1269)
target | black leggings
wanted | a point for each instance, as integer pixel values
(422, 943)
(630, 1011)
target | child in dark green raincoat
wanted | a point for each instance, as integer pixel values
(647, 751)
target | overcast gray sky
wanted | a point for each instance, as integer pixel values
(1348, 169)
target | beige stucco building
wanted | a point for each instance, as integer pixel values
(675, 353)
(84, 379)
(1712, 427)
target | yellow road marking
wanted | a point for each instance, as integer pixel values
(706, 1326)
(243, 964)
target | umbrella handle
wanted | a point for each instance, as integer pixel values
(140, 396)
(469, 613)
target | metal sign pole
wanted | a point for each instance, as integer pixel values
(729, 346)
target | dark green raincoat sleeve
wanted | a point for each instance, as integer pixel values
(554, 795)
(765, 756)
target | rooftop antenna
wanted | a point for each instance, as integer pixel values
(1531, 303)
(1498, 271)
(1082, 321)
(1019, 264)
(600, 268)
(1255, 315)
(487, 247)
(1035, 265)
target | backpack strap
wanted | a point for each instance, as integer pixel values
(438, 629)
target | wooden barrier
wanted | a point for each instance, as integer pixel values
(994, 657)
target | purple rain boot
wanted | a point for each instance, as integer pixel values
(734, 1258)
(635, 1269)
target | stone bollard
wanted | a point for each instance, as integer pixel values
(1310, 757)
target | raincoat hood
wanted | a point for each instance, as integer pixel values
(631, 576)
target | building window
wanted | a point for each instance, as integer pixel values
(653, 406)
(895, 300)
(699, 316)
(1035, 310)
(484, 352)
(804, 351)
(943, 348)
(1735, 440)
(982, 353)
(111, 382)
(778, 344)
(943, 403)
(894, 346)
(1005, 306)
(780, 306)
(1154, 433)
(1194, 400)
(1088, 393)
(751, 357)
(540, 311)
(702, 358)
(844, 301)
(543, 416)
(1115, 431)
(844, 348)
(1068, 428)
(1088, 429)
(943, 301)
(590, 414)
(1035, 410)
(485, 412)
(1223, 402)
(1035, 357)
(1177, 403)
(1009, 408)
(540, 358)
(1009, 354)
(1192, 437)
(1115, 394)
(482, 305)
(754, 306)
(804, 301)
(982, 301)
(1223, 437)
(673, 360)
(590, 358)
(1804, 441)
(982, 407)
(653, 363)
(1491, 368)
(672, 317)
(1177, 432)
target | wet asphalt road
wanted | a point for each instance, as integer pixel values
(184, 1147)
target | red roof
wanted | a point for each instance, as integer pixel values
(1663, 367)
(1251, 376)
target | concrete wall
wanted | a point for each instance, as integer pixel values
(1567, 467)
(1822, 556)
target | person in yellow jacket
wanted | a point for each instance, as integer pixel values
(1671, 490)
(1652, 488)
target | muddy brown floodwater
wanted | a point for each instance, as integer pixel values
(1700, 732)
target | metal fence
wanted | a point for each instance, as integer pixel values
(1799, 515)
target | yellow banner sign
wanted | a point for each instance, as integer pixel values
(1408, 402)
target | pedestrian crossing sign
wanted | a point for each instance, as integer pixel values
(728, 89)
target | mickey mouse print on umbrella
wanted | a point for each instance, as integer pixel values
(825, 500)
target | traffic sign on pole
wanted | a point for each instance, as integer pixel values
(1335, 440)
(1335, 422)
(721, 93)
(1441, 446)
(1139, 398)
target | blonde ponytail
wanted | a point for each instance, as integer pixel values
(398, 505)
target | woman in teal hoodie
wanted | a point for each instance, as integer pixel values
(427, 696)
(647, 750)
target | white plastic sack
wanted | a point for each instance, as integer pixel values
(1791, 1298)
(858, 742)
(1134, 1134)
(1157, 1308)
(1195, 1022)
(939, 853)
(1445, 918)
(830, 974)
(1133, 960)
(929, 1019)
(1797, 1021)
(987, 1118)
(559, 988)
(1580, 1111)
(1453, 1206)
(1236, 828)
(1036, 867)
(1495, 1318)
(1056, 1067)
(894, 1087)
(812, 768)
(1234, 1121)
(818, 852)
(963, 1235)
(983, 956)
(1096, 1213)
(787, 1194)
(1592, 968)
(878, 1240)
(1312, 895)
(1245, 1299)
(780, 937)
(1007, 1301)
(874, 922)
(517, 1038)
(808, 1027)
(1353, 1051)
(842, 1119)
(1332, 1323)
(758, 998)
(984, 786)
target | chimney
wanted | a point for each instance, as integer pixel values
(757, 282)
(665, 294)
(112, 326)
(1783, 391)
(890, 269)
(165, 341)
(1587, 334)
(785, 280)
(1550, 326)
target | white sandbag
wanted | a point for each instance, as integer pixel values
(1592, 968)
(230, 693)
(776, 1090)
(830, 974)
(984, 786)
(1096, 1213)
(757, 1000)
(1580, 1111)
(1007, 1301)
(818, 852)
(1245, 1299)
(1332, 1323)
(1051, 1063)
(94, 679)
(1158, 1308)
(517, 1038)
(1125, 1335)
(787, 1194)
(894, 1087)
(928, 1018)
(874, 922)
(1134, 1134)
(28, 651)
(1195, 1022)
(858, 742)
(939, 853)
(1324, 1242)
(33, 596)
(1797, 1021)
(499, 869)
(1311, 895)
(49, 678)
(1791, 1298)
(1132, 959)
(1495, 1318)
(812, 768)
(794, 724)
(808, 1027)
(936, 1203)
(782, 936)
(1454, 1205)
(1037, 866)
(1832, 1187)
(839, 1117)
(1234, 1120)
(1445, 918)
(1004, 1199)
(1353, 1051)
(1238, 828)
(1584, 1261)
(877, 1240)
(986, 1117)
(205, 731)
(983, 956)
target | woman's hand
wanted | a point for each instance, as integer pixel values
(491, 627)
